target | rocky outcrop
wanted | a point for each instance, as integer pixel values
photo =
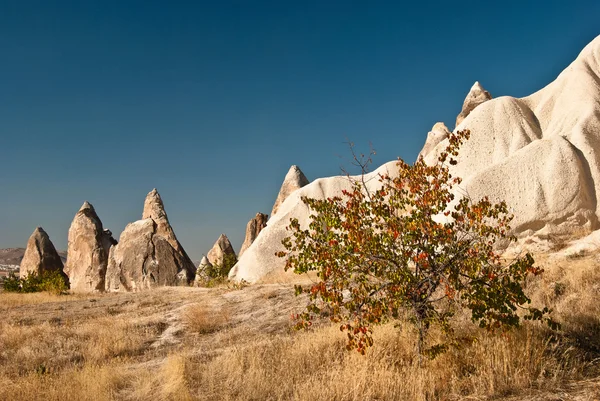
(40, 256)
(87, 253)
(294, 179)
(148, 254)
(438, 133)
(541, 154)
(222, 252)
(253, 228)
(260, 258)
(476, 96)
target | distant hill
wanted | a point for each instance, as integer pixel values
(13, 256)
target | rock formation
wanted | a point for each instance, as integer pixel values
(41, 256)
(476, 96)
(202, 273)
(87, 253)
(259, 259)
(148, 254)
(438, 133)
(221, 252)
(294, 179)
(254, 227)
(541, 154)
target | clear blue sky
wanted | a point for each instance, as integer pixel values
(211, 102)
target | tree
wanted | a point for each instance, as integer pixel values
(409, 248)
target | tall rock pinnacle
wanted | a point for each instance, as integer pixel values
(149, 254)
(87, 254)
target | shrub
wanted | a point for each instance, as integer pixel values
(53, 282)
(11, 283)
(409, 249)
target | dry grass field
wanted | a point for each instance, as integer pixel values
(237, 344)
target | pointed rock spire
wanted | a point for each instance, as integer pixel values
(155, 209)
(41, 256)
(148, 254)
(87, 254)
(204, 263)
(475, 97)
(294, 179)
(438, 133)
(222, 252)
(253, 228)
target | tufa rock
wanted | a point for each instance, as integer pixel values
(148, 254)
(87, 253)
(41, 256)
(254, 227)
(438, 133)
(475, 97)
(221, 252)
(260, 259)
(294, 179)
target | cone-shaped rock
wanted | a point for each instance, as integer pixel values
(202, 271)
(438, 133)
(475, 97)
(87, 254)
(293, 180)
(221, 252)
(148, 254)
(254, 227)
(41, 256)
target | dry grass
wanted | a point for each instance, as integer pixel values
(204, 320)
(10, 300)
(237, 344)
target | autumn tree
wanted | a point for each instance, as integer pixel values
(410, 249)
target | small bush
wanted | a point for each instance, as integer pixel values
(52, 282)
(12, 283)
(221, 271)
(205, 320)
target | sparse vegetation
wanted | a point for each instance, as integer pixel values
(52, 282)
(215, 275)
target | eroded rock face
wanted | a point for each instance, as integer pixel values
(438, 133)
(148, 254)
(221, 251)
(254, 227)
(41, 256)
(88, 248)
(476, 96)
(294, 179)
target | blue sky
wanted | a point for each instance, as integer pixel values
(211, 102)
